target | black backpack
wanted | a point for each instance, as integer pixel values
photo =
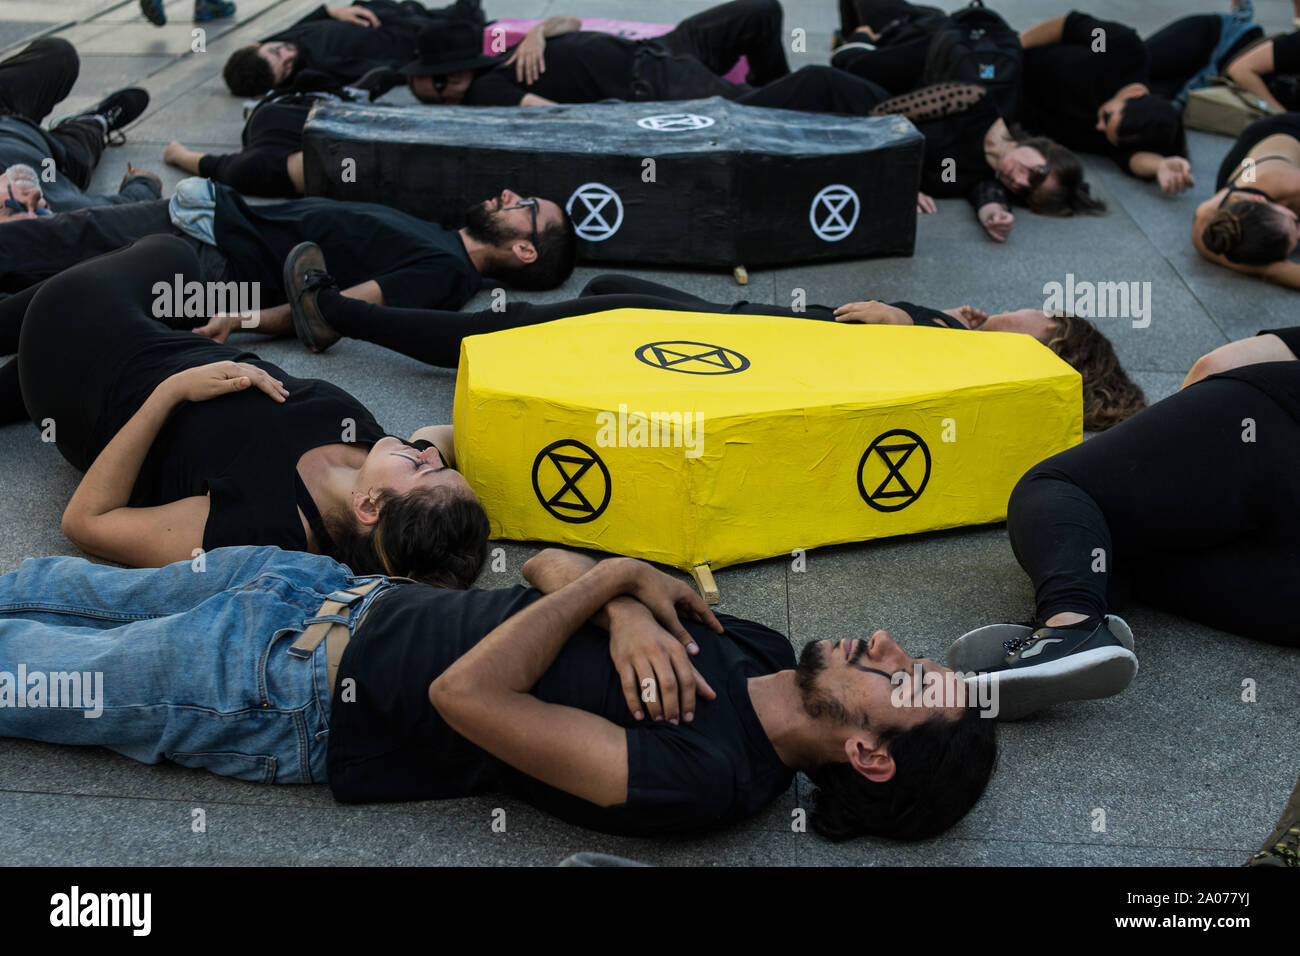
(975, 45)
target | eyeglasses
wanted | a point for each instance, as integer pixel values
(1037, 175)
(531, 206)
(16, 206)
(440, 83)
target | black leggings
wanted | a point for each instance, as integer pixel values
(721, 35)
(1180, 50)
(897, 67)
(818, 89)
(434, 335)
(91, 334)
(1174, 508)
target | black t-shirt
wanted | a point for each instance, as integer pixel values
(390, 744)
(1280, 381)
(960, 138)
(418, 264)
(241, 450)
(1066, 83)
(343, 52)
(582, 67)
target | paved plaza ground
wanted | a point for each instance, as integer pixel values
(1185, 770)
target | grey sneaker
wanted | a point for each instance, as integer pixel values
(1027, 670)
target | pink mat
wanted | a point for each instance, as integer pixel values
(506, 33)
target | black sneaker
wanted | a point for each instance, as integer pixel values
(154, 12)
(1282, 848)
(119, 109)
(304, 276)
(1027, 670)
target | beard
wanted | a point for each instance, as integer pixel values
(817, 703)
(484, 225)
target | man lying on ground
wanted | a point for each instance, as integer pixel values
(336, 46)
(47, 171)
(383, 255)
(595, 702)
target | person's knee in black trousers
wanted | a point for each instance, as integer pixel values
(36, 78)
(819, 89)
(720, 36)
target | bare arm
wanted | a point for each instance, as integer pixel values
(1249, 69)
(186, 159)
(1251, 351)
(529, 57)
(1044, 34)
(557, 26)
(1174, 173)
(98, 519)
(278, 320)
(485, 696)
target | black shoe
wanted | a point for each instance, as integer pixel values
(1027, 670)
(154, 12)
(118, 109)
(304, 276)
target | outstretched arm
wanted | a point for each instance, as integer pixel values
(1044, 34)
(278, 320)
(1174, 173)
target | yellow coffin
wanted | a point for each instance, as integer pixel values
(687, 438)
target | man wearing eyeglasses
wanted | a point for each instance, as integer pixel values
(607, 693)
(378, 254)
(46, 171)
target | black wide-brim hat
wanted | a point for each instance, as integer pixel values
(449, 48)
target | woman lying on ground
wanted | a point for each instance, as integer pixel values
(188, 444)
(972, 152)
(1251, 224)
(322, 316)
(1210, 532)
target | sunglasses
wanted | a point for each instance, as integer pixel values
(531, 206)
(1037, 175)
(16, 206)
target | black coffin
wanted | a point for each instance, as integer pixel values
(729, 185)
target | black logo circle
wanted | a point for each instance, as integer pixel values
(693, 358)
(565, 464)
(893, 449)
